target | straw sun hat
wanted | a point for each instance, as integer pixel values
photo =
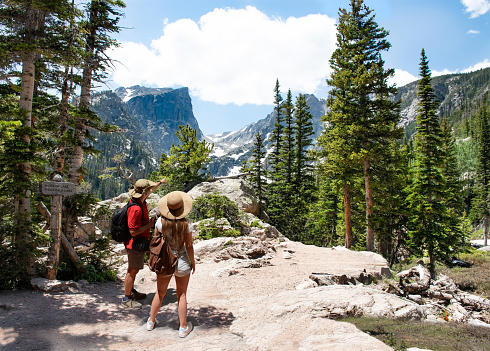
(175, 205)
(141, 187)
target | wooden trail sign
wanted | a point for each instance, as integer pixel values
(57, 190)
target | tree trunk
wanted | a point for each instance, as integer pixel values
(59, 162)
(22, 199)
(74, 174)
(34, 21)
(432, 265)
(486, 221)
(349, 239)
(66, 245)
(369, 207)
(54, 249)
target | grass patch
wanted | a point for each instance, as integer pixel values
(476, 279)
(401, 334)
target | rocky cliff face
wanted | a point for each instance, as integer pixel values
(457, 94)
(150, 118)
(152, 114)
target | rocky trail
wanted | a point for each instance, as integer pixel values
(260, 303)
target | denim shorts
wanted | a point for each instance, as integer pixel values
(183, 267)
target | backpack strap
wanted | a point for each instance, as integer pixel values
(131, 203)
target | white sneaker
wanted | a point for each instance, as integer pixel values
(151, 325)
(184, 332)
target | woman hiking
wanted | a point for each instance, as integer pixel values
(173, 208)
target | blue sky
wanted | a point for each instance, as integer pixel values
(230, 53)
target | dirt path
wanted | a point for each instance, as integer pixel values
(230, 304)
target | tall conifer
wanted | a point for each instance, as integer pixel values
(303, 162)
(28, 30)
(276, 191)
(258, 173)
(102, 20)
(362, 116)
(430, 222)
(481, 202)
(287, 152)
(276, 139)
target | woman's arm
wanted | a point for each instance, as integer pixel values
(190, 250)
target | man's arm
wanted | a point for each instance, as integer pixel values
(160, 182)
(143, 228)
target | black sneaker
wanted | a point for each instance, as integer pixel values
(137, 295)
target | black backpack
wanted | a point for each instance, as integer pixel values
(119, 223)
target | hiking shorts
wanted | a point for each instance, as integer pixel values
(136, 259)
(183, 267)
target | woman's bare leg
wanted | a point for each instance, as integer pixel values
(182, 299)
(162, 285)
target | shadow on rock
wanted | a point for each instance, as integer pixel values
(210, 317)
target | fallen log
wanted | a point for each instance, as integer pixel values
(422, 279)
(476, 303)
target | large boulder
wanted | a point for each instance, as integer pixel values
(239, 191)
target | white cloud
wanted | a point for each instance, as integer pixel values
(476, 8)
(443, 72)
(472, 31)
(233, 56)
(402, 78)
(484, 64)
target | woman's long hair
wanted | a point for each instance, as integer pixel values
(175, 230)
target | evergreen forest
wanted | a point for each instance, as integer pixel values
(365, 183)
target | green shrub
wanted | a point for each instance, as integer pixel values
(98, 265)
(215, 206)
(14, 273)
(210, 228)
(256, 224)
(11, 274)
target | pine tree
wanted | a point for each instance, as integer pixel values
(451, 172)
(303, 163)
(287, 152)
(323, 217)
(276, 136)
(430, 220)
(258, 173)
(185, 166)
(336, 163)
(303, 180)
(481, 202)
(102, 20)
(28, 31)
(390, 183)
(362, 116)
(277, 191)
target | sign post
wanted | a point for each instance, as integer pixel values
(57, 189)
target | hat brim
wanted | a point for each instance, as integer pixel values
(179, 213)
(136, 195)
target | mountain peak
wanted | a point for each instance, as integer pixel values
(126, 94)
